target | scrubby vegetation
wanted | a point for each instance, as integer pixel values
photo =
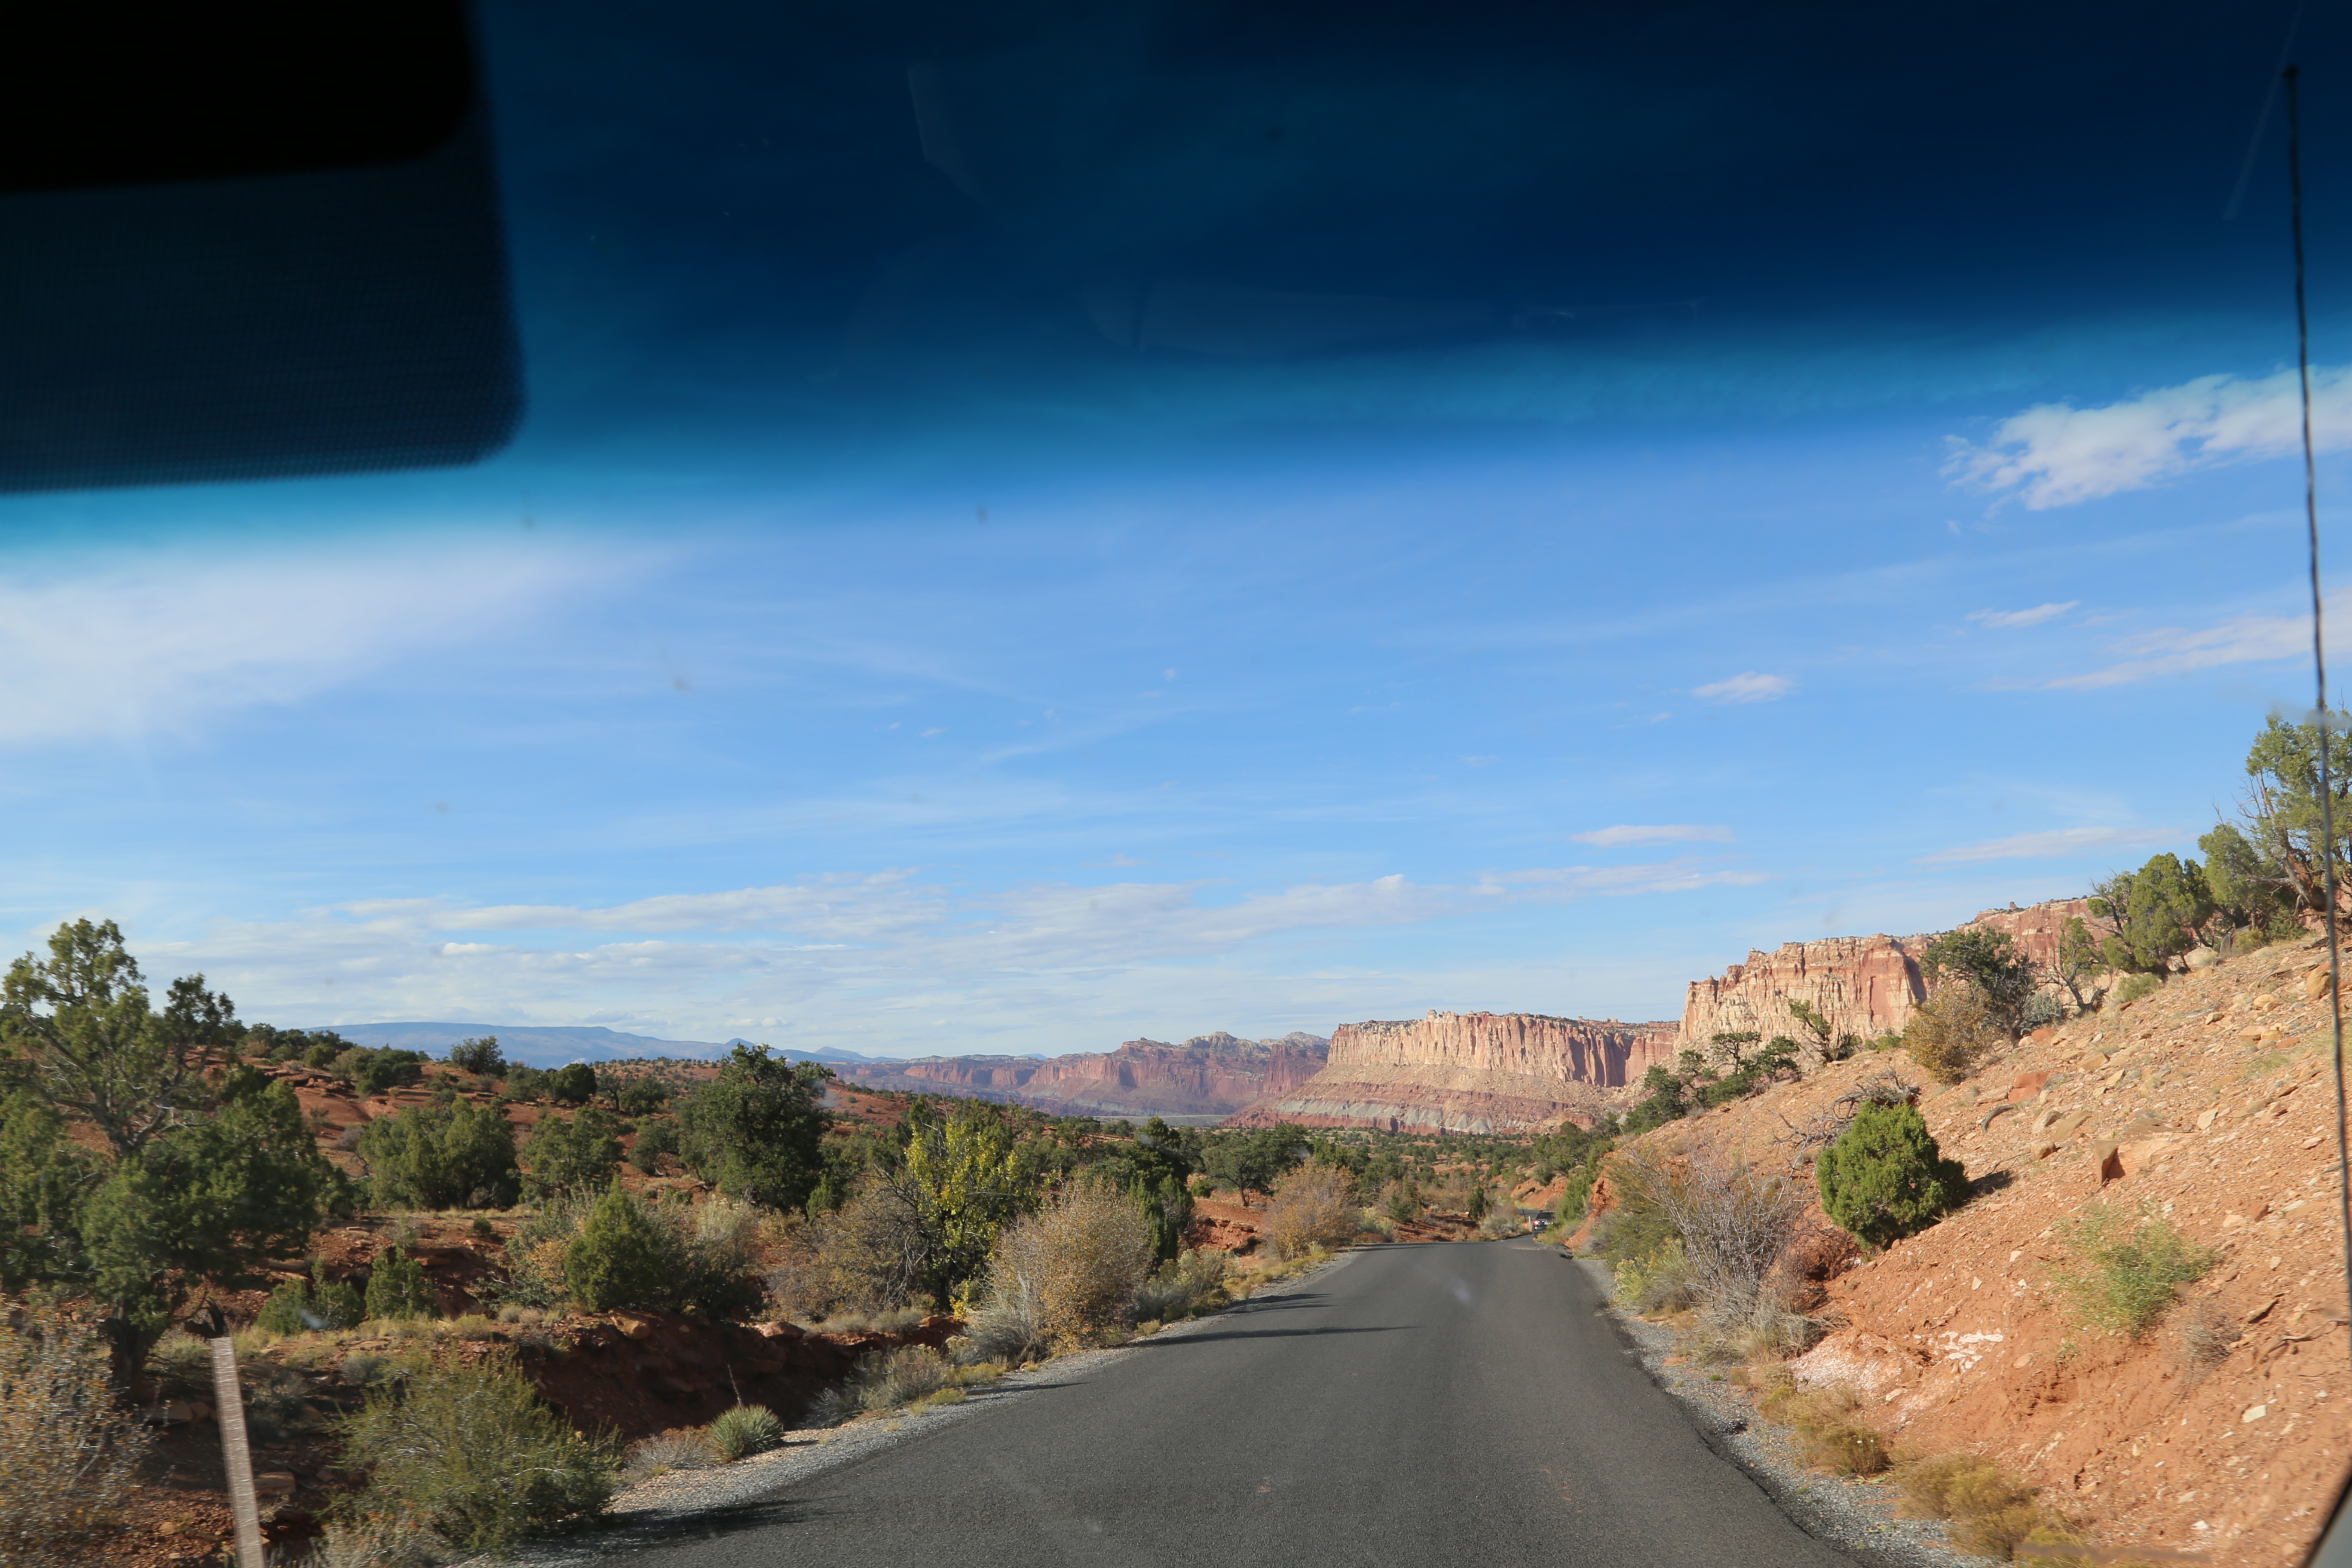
(68, 1453)
(468, 1449)
(2128, 1268)
(452, 1154)
(1314, 1205)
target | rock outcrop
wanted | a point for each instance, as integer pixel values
(1471, 1072)
(1865, 986)
(1208, 1075)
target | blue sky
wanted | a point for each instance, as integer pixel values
(1162, 696)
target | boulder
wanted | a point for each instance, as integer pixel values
(2316, 983)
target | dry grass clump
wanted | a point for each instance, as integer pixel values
(1313, 1206)
(2208, 1333)
(67, 1452)
(1067, 1275)
(1952, 1032)
(1985, 1511)
(679, 1448)
(1830, 1433)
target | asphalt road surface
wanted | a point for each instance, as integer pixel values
(1424, 1406)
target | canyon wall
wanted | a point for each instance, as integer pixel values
(1208, 1075)
(1471, 1072)
(1865, 986)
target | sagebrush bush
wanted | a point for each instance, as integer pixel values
(1314, 1205)
(1182, 1283)
(469, 1450)
(374, 1543)
(68, 1456)
(900, 1378)
(2128, 1266)
(1883, 1178)
(2135, 986)
(1952, 1032)
(1073, 1268)
(397, 1287)
(1660, 1282)
(744, 1430)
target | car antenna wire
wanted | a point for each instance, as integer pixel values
(2319, 668)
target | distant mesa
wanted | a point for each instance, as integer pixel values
(1472, 1072)
(1205, 1077)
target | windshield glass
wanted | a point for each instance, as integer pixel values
(1397, 558)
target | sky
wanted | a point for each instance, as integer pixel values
(937, 602)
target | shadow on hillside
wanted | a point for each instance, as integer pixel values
(1990, 1182)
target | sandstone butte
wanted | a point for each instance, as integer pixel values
(2210, 1104)
(1208, 1075)
(1524, 1072)
(1470, 1072)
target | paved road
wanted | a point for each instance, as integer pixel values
(1420, 1405)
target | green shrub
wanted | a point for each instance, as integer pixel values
(442, 1155)
(2135, 986)
(756, 1132)
(397, 1287)
(387, 1068)
(1952, 1032)
(470, 1451)
(619, 1258)
(2129, 1265)
(574, 1083)
(480, 1056)
(656, 1136)
(1658, 1281)
(744, 1430)
(283, 1313)
(1885, 1178)
(567, 1151)
(336, 1303)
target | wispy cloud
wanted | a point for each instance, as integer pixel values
(1585, 881)
(2056, 843)
(1747, 687)
(2173, 651)
(1664, 833)
(2054, 453)
(133, 648)
(2004, 620)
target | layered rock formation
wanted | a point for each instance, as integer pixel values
(1865, 986)
(1471, 1072)
(1208, 1075)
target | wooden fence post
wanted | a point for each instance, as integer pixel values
(228, 1405)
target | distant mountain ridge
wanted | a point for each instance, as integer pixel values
(551, 1045)
(1214, 1074)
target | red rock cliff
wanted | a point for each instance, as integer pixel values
(1471, 1072)
(1865, 986)
(1208, 1075)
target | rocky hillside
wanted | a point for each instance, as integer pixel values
(1208, 1075)
(1471, 1072)
(2223, 1430)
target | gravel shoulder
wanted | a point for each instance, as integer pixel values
(1858, 1517)
(659, 1510)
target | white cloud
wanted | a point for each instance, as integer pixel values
(1582, 881)
(1748, 687)
(2054, 454)
(2052, 845)
(2172, 650)
(161, 643)
(1664, 833)
(2003, 620)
